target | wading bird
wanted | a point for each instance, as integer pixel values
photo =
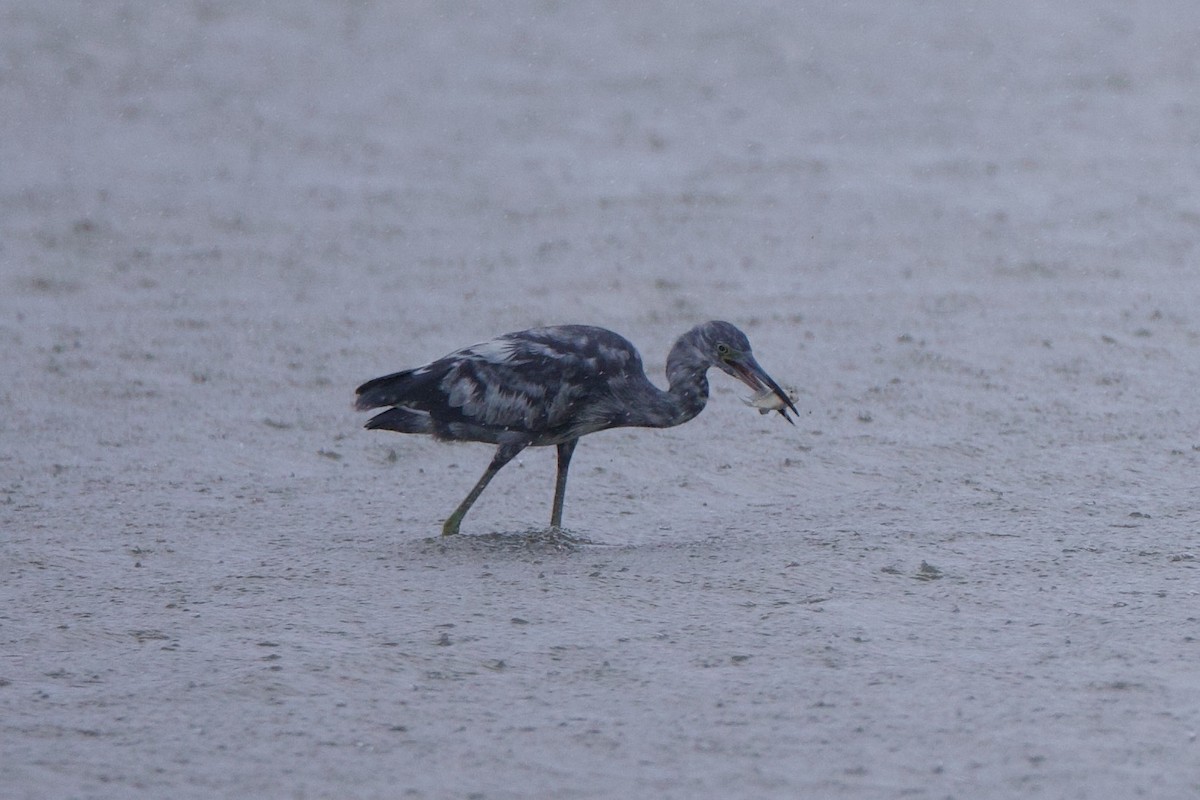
(552, 385)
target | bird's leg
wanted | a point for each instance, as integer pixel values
(565, 450)
(504, 454)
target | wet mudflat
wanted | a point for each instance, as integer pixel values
(966, 237)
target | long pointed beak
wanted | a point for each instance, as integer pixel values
(750, 373)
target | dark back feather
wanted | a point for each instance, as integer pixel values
(543, 384)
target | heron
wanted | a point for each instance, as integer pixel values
(552, 385)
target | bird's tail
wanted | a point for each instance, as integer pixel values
(400, 389)
(389, 390)
(403, 420)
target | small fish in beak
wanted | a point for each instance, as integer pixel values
(769, 395)
(767, 401)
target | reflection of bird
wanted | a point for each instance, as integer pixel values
(552, 385)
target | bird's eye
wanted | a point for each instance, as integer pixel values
(723, 350)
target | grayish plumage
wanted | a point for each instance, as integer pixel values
(553, 385)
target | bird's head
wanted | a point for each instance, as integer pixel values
(728, 349)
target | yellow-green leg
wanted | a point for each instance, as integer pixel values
(504, 454)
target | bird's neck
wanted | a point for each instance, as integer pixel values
(687, 370)
(688, 394)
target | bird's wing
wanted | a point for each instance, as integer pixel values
(536, 380)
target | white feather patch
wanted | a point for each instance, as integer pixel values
(496, 351)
